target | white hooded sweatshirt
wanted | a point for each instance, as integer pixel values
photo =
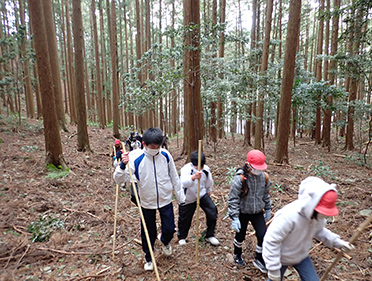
(289, 236)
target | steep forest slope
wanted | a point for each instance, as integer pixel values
(73, 215)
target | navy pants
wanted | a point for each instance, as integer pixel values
(186, 213)
(167, 227)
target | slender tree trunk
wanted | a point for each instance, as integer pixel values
(114, 65)
(98, 67)
(82, 130)
(258, 139)
(192, 83)
(319, 74)
(54, 60)
(27, 78)
(332, 67)
(281, 152)
(174, 96)
(53, 146)
(221, 54)
(213, 105)
(70, 66)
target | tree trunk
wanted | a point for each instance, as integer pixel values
(174, 96)
(220, 121)
(258, 139)
(77, 29)
(28, 86)
(54, 60)
(332, 67)
(281, 151)
(114, 65)
(53, 146)
(139, 54)
(213, 105)
(191, 67)
(98, 67)
(319, 74)
(70, 67)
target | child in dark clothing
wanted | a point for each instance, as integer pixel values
(249, 196)
(189, 181)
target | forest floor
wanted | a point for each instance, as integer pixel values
(79, 208)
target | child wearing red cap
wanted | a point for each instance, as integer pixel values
(249, 201)
(117, 151)
(290, 234)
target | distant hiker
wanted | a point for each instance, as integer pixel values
(249, 201)
(117, 151)
(289, 237)
(136, 144)
(139, 138)
(165, 141)
(189, 182)
(156, 175)
(130, 140)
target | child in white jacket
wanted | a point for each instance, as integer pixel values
(289, 237)
(189, 181)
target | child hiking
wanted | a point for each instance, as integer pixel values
(156, 176)
(289, 237)
(189, 181)
(249, 196)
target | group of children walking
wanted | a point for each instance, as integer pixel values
(288, 238)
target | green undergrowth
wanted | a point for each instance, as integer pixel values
(57, 172)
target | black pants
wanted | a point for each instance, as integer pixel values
(167, 227)
(186, 212)
(259, 225)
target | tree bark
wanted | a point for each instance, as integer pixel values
(281, 150)
(114, 65)
(221, 54)
(28, 85)
(319, 74)
(53, 146)
(81, 116)
(191, 68)
(258, 139)
(98, 67)
(332, 67)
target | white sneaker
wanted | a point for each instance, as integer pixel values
(167, 250)
(213, 240)
(149, 266)
(182, 241)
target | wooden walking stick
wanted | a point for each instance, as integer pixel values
(143, 221)
(116, 211)
(351, 241)
(197, 206)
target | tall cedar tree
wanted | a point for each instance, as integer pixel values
(115, 78)
(81, 112)
(258, 139)
(221, 54)
(191, 85)
(28, 86)
(293, 31)
(97, 66)
(53, 146)
(53, 56)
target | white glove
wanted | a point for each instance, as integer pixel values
(267, 215)
(273, 277)
(346, 246)
(235, 224)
